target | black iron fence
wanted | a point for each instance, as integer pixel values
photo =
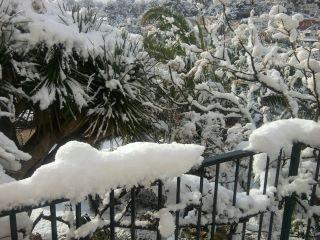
(242, 161)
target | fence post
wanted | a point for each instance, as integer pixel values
(13, 226)
(53, 219)
(290, 201)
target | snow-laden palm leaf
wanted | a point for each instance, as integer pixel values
(85, 18)
(54, 85)
(11, 93)
(119, 90)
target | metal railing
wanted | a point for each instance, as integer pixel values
(242, 161)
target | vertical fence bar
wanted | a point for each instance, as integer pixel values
(313, 194)
(78, 215)
(265, 182)
(177, 230)
(234, 198)
(112, 213)
(53, 219)
(276, 181)
(133, 213)
(235, 187)
(244, 226)
(13, 226)
(264, 191)
(159, 204)
(308, 228)
(200, 205)
(249, 175)
(260, 226)
(215, 198)
(290, 201)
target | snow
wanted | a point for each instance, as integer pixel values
(10, 155)
(277, 9)
(89, 227)
(311, 64)
(259, 163)
(110, 144)
(83, 170)
(301, 184)
(177, 64)
(47, 22)
(273, 136)
(166, 223)
(311, 83)
(45, 96)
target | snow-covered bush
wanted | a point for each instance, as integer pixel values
(238, 74)
(235, 77)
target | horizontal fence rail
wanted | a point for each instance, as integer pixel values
(240, 161)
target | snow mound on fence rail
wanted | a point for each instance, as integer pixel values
(80, 170)
(273, 136)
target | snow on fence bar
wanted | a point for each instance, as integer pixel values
(80, 170)
(281, 134)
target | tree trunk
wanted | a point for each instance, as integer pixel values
(8, 129)
(43, 146)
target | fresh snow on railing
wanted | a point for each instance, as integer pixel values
(273, 136)
(279, 135)
(80, 170)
